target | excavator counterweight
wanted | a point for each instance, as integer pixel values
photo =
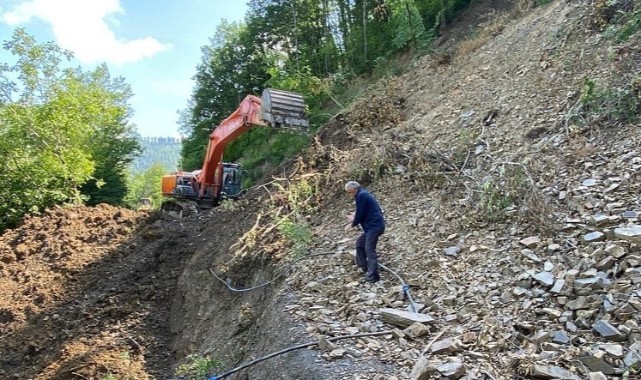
(189, 191)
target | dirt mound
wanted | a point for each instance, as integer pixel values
(512, 208)
(86, 292)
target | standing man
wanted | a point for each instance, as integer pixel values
(369, 215)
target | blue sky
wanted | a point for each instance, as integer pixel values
(155, 45)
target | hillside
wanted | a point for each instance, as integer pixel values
(157, 150)
(507, 165)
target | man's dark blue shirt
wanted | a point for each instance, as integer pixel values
(368, 212)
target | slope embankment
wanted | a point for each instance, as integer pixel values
(507, 165)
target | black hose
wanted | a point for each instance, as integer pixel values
(270, 281)
(292, 348)
(405, 287)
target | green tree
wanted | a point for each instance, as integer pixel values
(114, 142)
(55, 125)
(231, 68)
(146, 185)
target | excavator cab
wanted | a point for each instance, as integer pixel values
(232, 181)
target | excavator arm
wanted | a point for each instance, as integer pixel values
(276, 109)
(246, 116)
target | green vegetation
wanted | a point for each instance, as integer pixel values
(157, 150)
(197, 367)
(294, 227)
(620, 19)
(297, 233)
(611, 105)
(316, 48)
(64, 132)
(508, 186)
(146, 185)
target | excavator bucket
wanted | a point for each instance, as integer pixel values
(284, 110)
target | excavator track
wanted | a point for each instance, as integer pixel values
(179, 208)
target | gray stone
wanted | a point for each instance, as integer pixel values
(588, 273)
(552, 372)
(541, 336)
(615, 250)
(560, 337)
(594, 237)
(445, 346)
(551, 313)
(552, 347)
(608, 331)
(579, 303)
(469, 337)
(530, 255)
(633, 357)
(612, 349)
(596, 376)
(452, 251)
(422, 369)
(593, 283)
(544, 278)
(553, 247)
(596, 364)
(337, 353)
(506, 297)
(403, 318)
(571, 274)
(600, 219)
(531, 241)
(590, 182)
(326, 345)
(416, 330)
(560, 287)
(452, 370)
(629, 233)
(606, 263)
(549, 355)
(519, 291)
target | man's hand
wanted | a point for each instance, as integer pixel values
(348, 227)
(350, 217)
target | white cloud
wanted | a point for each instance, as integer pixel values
(80, 26)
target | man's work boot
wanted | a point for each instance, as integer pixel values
(372, 278)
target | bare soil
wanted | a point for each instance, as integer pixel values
(103, 292)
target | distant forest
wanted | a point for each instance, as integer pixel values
(157, 150)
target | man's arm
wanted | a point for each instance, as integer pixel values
(361, 210)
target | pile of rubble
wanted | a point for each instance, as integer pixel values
(492, 303)
(502, 300)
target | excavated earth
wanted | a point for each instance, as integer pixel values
(512, 195)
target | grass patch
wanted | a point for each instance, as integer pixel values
(197, 367)
(608, 105)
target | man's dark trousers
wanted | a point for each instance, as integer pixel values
(366, 257)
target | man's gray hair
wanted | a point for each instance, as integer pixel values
(352, 185)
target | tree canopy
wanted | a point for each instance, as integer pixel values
(64, 132)
(307, 46)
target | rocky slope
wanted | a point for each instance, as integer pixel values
(507, 164)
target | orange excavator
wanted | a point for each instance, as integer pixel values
(187, 192)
